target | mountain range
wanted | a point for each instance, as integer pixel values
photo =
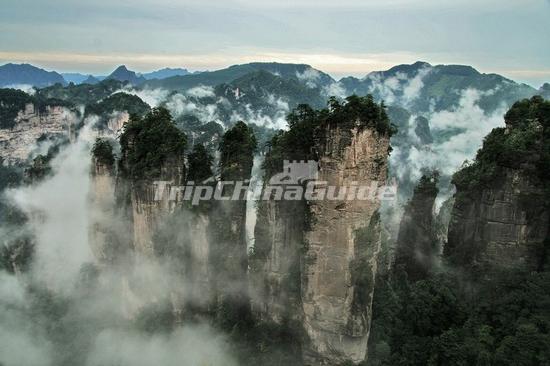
(397, 84)
(26, 74)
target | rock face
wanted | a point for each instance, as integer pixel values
(102, 200)
(341, 248)
(502, 226)
(417, 241)
(279, 243)
(500, 217)
(314, 261)
(151, 203)
(229, 256)
(31, 125)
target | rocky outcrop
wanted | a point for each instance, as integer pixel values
(502, 226)
(315, 256)
(229, 256)
(151, 168)
(32, 127)
(500, 219)
(151, 203)
(102, 208)
(416, 247)
(276, 260)
(341, 248)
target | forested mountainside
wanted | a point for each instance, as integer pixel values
(484, 301)
(321, 282)
(436, 108)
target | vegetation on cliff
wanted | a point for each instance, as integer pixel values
(82, 94)
(102, 151)
(119, 102)
(523, 144)
(305, 124)
(416, 247)
(12, 101)
(456, 317)
(148, 143)
(199, 163)
(237, 152)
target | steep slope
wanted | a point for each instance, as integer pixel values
(152, 149)
(30, 124)
(102, 201)
(314, 261)
(229, 256)
(115, 110)
(501, 214)
(416, 247)
(121, 73)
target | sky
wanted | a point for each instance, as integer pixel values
(341, 37)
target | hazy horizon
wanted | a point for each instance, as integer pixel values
(349, 38)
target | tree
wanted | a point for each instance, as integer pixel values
(200, 164)
(150, 144)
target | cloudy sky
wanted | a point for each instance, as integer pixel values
(342, 37)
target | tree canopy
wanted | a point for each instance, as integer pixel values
(150, 142)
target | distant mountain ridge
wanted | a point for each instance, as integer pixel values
(422, 87)
(165, 73)
(26, 74)
(122, 73)
(301, 72)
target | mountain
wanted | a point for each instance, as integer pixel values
(123, 74)
(165, 73)
(545, 90)
(90, 80)
(25, 74)
(501, 214)
(82, 94)
(257, 88)
(421, 87)
(74, 77)
(300, 72)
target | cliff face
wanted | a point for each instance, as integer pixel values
(275, 266)
(341, 248)
(151, 204)
(102, 200)
(501, 226)
(315, 258)
(17, 143)
(500, 217)
(228, 256)
(152, 151)
(417, 241)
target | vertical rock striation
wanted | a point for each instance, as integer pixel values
(501, 226)
(152, 152)
(314, 260)
(102, 199)
(35, 124)
(501, 213)
(342, 244)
